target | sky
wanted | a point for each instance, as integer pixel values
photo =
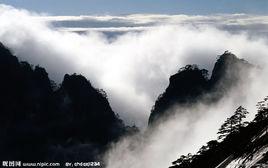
(116, 7)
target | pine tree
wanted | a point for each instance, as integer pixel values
(234, 123)
(240, 114)
(183, 161)
(262, 110)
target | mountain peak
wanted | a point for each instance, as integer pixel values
(229, 69)
(34, 116)
(75, 82)
(190, 83)
(185, 88)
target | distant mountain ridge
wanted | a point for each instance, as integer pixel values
(191, 85)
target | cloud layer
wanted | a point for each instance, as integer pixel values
(234, 23)
(133, 67)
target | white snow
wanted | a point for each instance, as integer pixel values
(249, 160)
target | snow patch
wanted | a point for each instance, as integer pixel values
(249, 160)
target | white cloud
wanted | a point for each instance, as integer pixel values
(134, 68)
(181, 134)
(231, 22)
(187, 130)
(166, 19)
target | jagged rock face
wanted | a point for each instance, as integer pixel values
(89, 115)
(228, 71)
(185, 87)
(24, 99)
(190, 85)
(37, 123)
(22, 87)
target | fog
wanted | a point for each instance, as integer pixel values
(134, 68)
(187, 129)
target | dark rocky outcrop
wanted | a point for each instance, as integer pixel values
(39, 121)
(191, 85)
(87, 112)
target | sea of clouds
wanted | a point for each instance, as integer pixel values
(132, 56)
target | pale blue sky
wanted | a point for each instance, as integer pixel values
(79, 7)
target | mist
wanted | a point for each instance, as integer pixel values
(186, 130)
(134, 68)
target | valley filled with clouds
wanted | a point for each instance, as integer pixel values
(132, 57)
